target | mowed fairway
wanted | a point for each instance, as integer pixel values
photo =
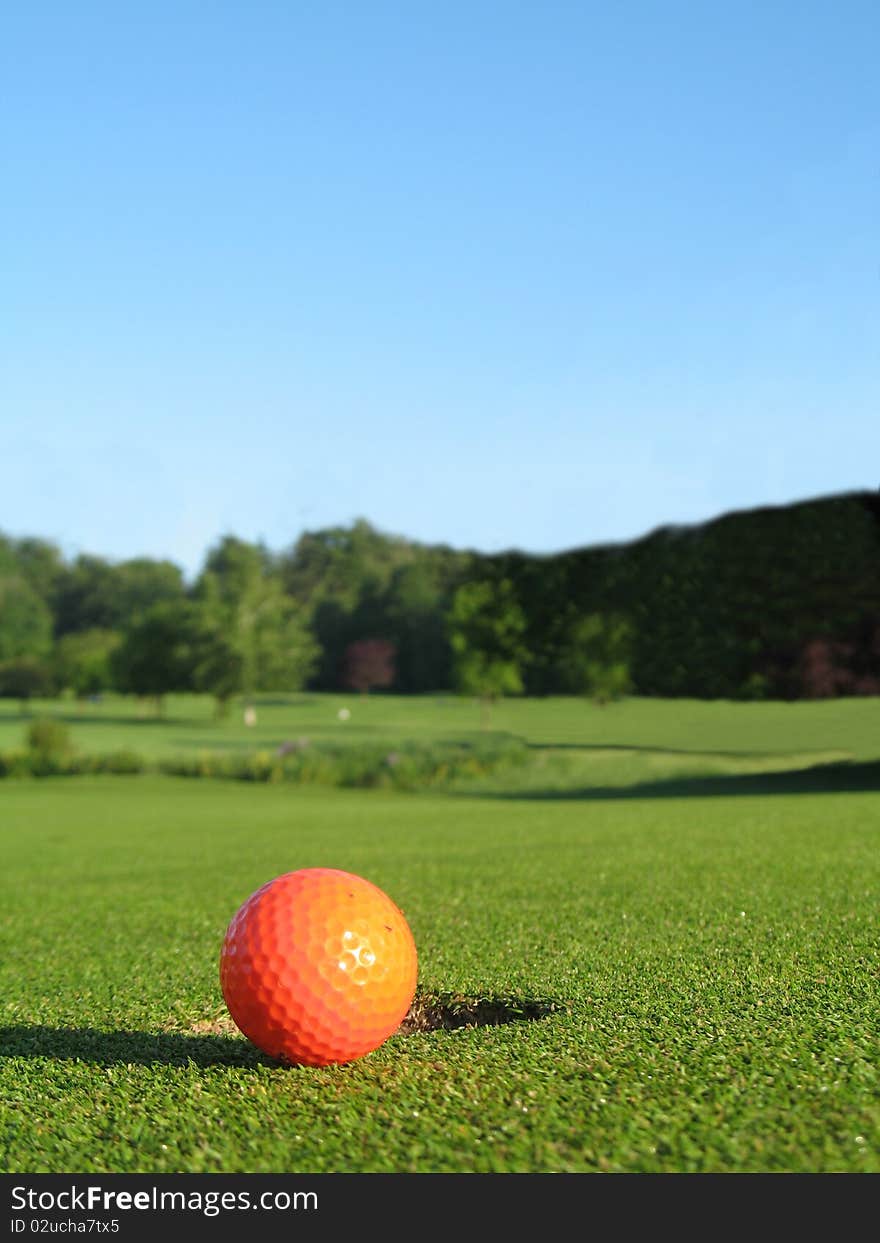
(706, 955)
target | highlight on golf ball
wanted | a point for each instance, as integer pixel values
(318, 966)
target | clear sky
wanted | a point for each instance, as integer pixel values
(532, 275)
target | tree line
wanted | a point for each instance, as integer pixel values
(779, 602)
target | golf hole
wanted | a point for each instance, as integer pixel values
(445, 1013)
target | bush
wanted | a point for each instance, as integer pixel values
(756, 686)
(122, 763)
(48, 737)
(16, 763)
(42, 761)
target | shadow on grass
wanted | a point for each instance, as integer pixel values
(222, 1046)
(86, 718)
(284, 701)
(260, 742)
(626, 748)
(87, 1044)
(837, 778)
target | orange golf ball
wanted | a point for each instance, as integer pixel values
(318, 966)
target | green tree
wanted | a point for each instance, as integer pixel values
(336, 562)
(241, 594)
(84, 597)
(8, 563)
(141, 582)
(155, 656)
(596, 659)
(285, 652)
(417, 602)
(355, 581)
(84, 661)
(24, 678)
(486, 627)
(41, 564)
(93, 593)
(25, 621)
(340, 577)
(217, 664)
(25, 634)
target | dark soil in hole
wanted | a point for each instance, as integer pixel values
(443, 1013)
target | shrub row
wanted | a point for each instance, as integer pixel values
(410, 767)
(34, 763)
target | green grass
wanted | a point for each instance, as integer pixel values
(688, 726)
(698, 904)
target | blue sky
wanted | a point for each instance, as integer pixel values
(487, 274)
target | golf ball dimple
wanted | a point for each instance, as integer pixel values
(318, 966)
